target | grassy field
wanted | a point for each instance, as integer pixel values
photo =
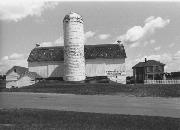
(34, 119)
(140, 90)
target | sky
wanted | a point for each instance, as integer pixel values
(147, 29)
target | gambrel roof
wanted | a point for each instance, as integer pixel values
(106, 51)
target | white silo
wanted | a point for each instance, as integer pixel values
(74, 61)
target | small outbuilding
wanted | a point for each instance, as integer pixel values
(148, 70)
(19, 76)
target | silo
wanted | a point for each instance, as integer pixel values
(74, 62)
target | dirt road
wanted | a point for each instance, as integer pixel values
(93, 103)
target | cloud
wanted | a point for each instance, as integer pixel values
(19, 9)
(89, 34)
(137, 34)
(152, 41)
(157, 48)
(14, 59)
(57, 42)
(104, 36)
(177, 55)
(45, 44)
(171, 45)
(14, 56)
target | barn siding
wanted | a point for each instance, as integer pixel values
(101, 67)
(47, 69)
(113, 68)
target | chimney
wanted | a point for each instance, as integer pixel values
(145, 60)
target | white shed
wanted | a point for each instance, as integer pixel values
(19, 76)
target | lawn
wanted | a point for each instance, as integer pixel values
(139, 90)
(34, 119)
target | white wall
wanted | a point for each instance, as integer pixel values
(9, 84)
(24, 81)
(11, 79)
(47, 69)
(101, 67)
(113, 68)
(12, 76)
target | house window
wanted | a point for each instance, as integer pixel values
(150, 69)
(150, 77)
(14, 70)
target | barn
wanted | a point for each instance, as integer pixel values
(100, 60)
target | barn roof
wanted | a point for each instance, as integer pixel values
(106, 51)
(148, 63)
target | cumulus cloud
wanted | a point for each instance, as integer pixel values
(171, 45)
(19, 9)
(45, 44)
(104, 36)
(152, 41)
(177, 55)
(60, 40)
(137, 34)
(14, 56)
(157, 48)
(14, 59)
(89, 34)
(57, 42)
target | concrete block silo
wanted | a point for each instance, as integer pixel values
(74, 61)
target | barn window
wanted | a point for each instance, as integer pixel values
(14, 70)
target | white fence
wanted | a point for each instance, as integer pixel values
(161, 81)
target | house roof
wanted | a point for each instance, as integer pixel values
(106, 51)
(148, 63)
(32, 75)
(18, 69)
(22, 71)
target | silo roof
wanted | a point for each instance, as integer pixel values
(72, 15)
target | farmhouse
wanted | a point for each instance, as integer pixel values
(100, 60)
(148, 70)
(19, 76)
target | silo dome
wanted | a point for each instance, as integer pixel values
(72, 15)
(74, 62)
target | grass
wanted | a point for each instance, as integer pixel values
(139, 90)
(34, 119)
